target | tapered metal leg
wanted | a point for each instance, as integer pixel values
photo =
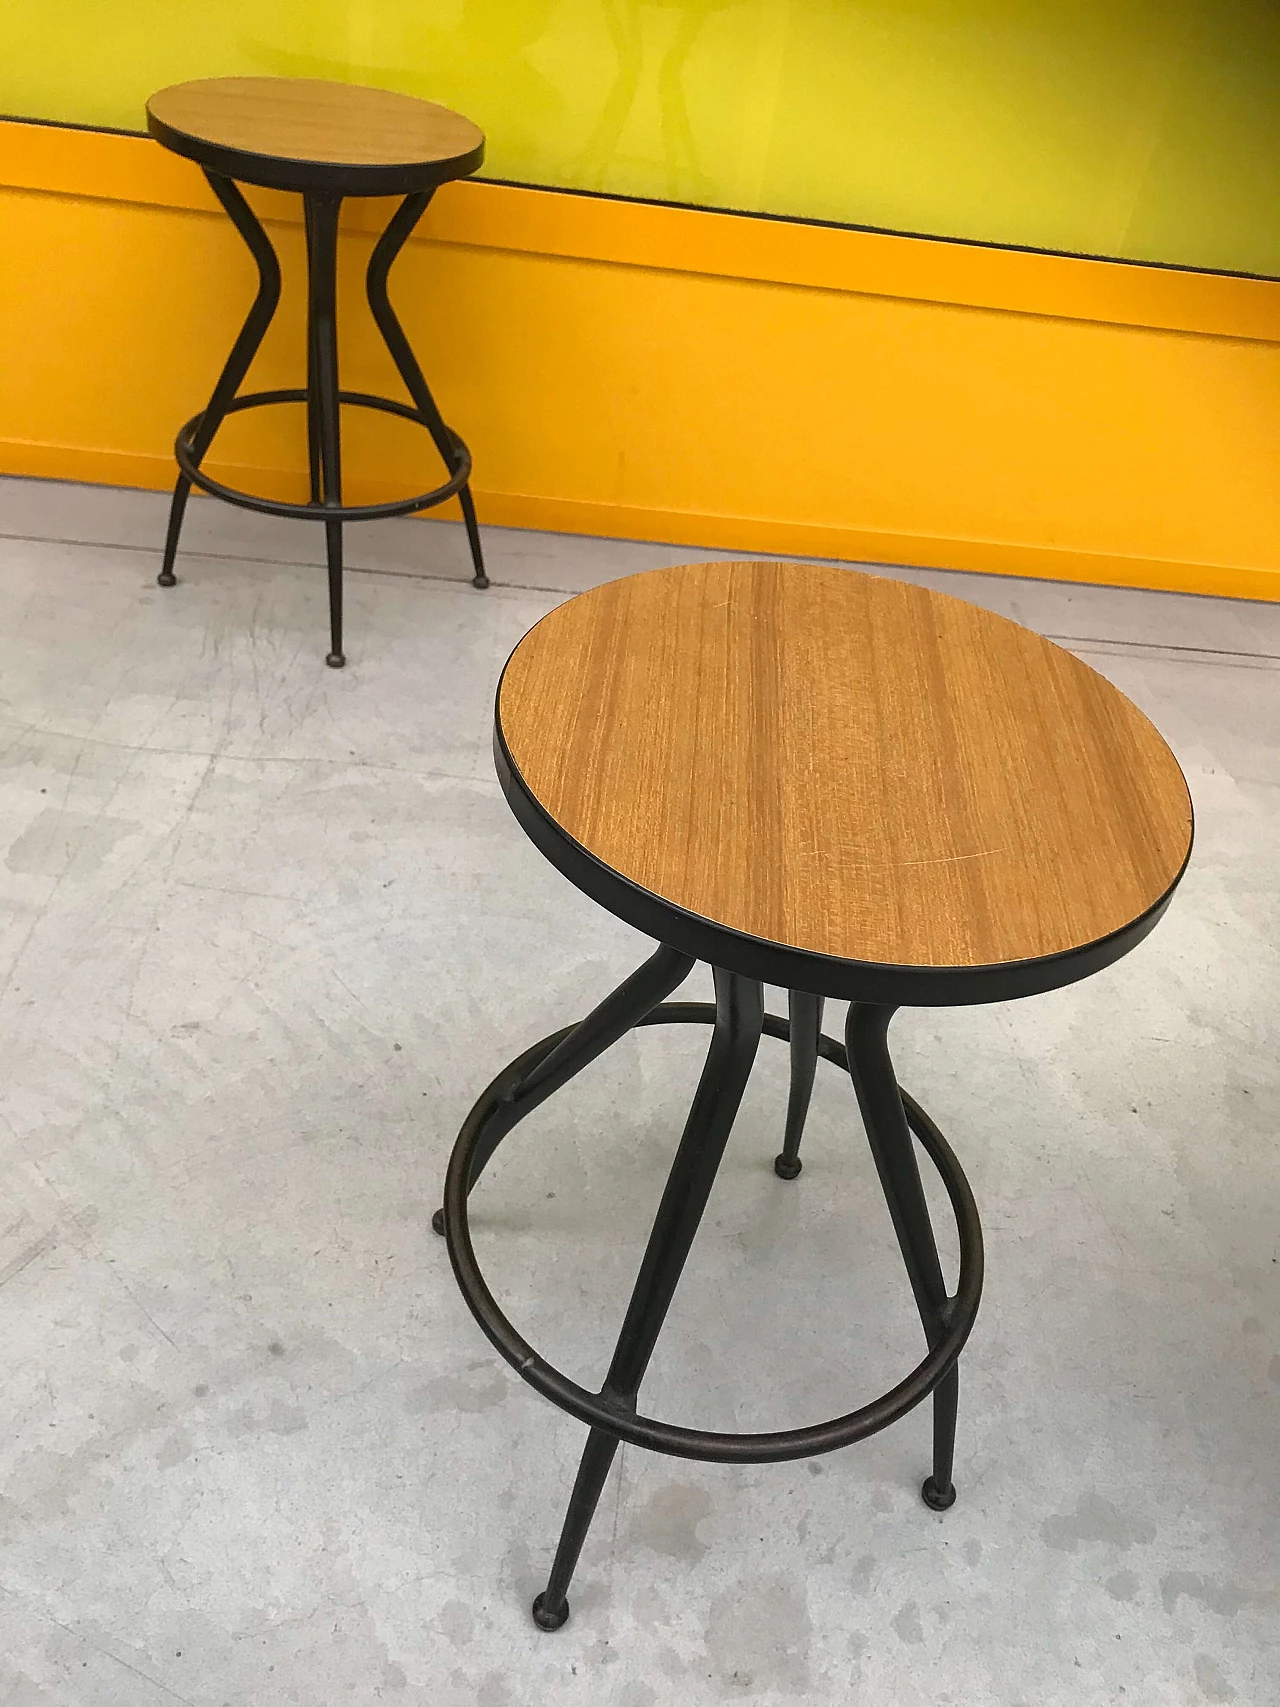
(805, 1012)
(313, 392)
(618, 1014)
(242, 353)
(938, 1490)
(739, 1021)
(551, 1607)
(335, 658)
(452, 451)
(323, 317)
(177, 510)
(479, 578)
(870, 1066)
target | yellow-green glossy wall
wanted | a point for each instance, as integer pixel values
(1139, 129)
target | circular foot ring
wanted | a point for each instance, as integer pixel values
(336, 660)
(184, 452)
(786, 1168)
(598, 1411)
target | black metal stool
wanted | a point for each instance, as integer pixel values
(849, 787)
(325, 141)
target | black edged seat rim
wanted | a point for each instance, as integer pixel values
(786, 966)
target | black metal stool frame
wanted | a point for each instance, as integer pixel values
(322, 393)
(742, 965)
(890, 1117)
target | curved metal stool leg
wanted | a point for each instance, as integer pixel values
(237, 366)
(452, 450)
(805, 1012)
(738, 1027)
(618, 1014)
(313, 383)
(888, 1132)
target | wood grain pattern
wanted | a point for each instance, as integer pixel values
(845, 764)
(304, 118)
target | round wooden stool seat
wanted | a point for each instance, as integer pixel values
(842, 783)
(302, 133)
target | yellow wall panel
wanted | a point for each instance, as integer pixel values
(1144, 129)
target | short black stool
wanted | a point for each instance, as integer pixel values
(848, 787)
(326, 141)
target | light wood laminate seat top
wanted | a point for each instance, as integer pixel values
(845, 764)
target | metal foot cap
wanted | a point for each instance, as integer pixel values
(547, 1620)
(336, 660)
(437, 1222)
(938, 1499)
(785, 1168)
(166, 578)
(480, 580)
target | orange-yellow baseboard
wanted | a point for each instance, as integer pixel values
(752, 534)
(646, 372)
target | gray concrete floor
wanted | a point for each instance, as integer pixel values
(268, 928)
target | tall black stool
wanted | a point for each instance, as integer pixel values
(848, 787)
(326, 141)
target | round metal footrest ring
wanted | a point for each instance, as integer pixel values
(600, 1411)
(183, 451)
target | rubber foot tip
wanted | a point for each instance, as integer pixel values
(166, 578)
(785, 1168)
(938, 1499)
(480, 581)
(336, 660)
(437, 1222)
(548, 1620)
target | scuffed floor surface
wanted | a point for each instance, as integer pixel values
(269, 928)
